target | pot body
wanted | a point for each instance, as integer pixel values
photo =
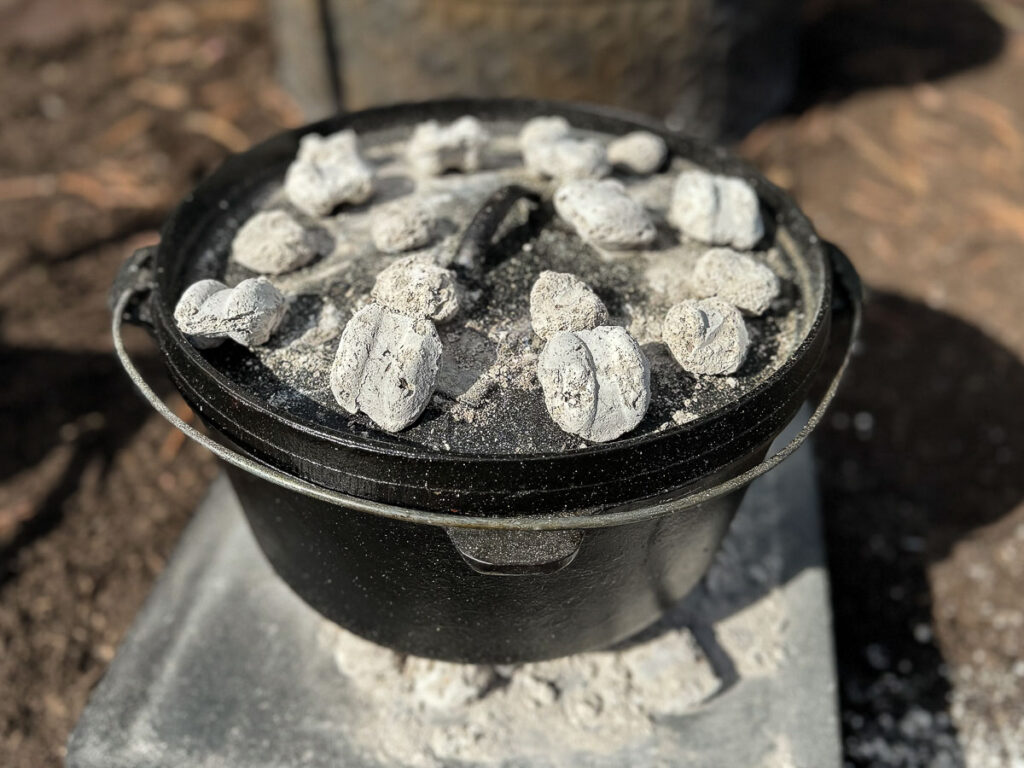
(493, 594)
(406, 585)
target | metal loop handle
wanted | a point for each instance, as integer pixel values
(517, 522)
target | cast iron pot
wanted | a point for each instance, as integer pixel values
(484, 558)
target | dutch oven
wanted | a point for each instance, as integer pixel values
(476, 557)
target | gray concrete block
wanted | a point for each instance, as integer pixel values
(225, 667)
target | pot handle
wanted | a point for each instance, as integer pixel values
(134, 283)
(515, 553)
(846, 312)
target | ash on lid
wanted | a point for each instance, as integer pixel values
(477, 390)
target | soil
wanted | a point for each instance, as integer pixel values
(912, 159)
(922, 462)
(110, 112)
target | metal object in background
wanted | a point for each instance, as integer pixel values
(712, 68)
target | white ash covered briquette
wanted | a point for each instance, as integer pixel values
(639, 152)
(736, 277)
(717, 210)
(417, 286)
(549, 150)
(604, 214)
(596, 383)
(560, 301)
(435, 148)
(543, 130)
(707, 336)
(403, 226)
(273, 242)
(328, 171)
(386, 366)
(209, 311)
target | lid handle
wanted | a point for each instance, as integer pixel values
(471, 254)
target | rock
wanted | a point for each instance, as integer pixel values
(597, 383)
(639, 152)
(272, 242)
(208, 312)
(386, 366)
(434, 149)
(560, 301)
(418, 287)
(604, 214)
(718, 210)
(549, 150)
(736, 277)
(706, 336)
(402, 226)
(328, 171)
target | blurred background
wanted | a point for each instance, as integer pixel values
(897, 124)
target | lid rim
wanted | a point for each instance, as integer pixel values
(174, 345)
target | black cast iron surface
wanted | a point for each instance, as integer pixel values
(407, 585)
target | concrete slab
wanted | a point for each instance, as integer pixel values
(225, 667)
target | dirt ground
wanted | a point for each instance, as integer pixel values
(109, 112)
(922, 462)
(907, 149)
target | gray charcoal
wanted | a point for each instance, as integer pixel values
(328, 171)
(736, 277)
(273, 242)
(597, 383)
(604, 214)
(639, 152)
(549, 150)
(434, 149)
(417, 286)
(718, 210)
(209, 311)
(402, 226)
(707, 336)
(560, 301)
(386, 366)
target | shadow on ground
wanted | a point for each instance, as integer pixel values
(81, 401)
(923, 446)
(853, 45)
